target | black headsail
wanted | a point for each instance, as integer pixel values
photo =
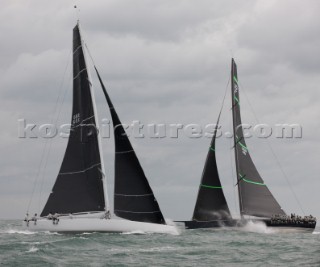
(133, 196)
(211, 203)
(255, 198)
(79, 185)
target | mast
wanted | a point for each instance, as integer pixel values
(235, 102)
(103, 170)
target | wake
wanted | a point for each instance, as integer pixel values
(258, 227)
(27, 232)
(14, 231)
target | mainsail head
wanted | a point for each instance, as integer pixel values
(133, 196)
(254, 196)
(79, 185)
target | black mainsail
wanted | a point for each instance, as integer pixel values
(255, 198)
(133, 196)
(79, 185)
(211, 203)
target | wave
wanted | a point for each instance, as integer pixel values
(88, 233)
(157, 249)
(50, 233)
(178, 230)
(136, 232)
(49, 241)
(27, 232)
(169, 222)
(32, 249)
(14, 231)
(138, 250)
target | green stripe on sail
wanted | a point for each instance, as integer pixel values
(211, 148)
(252, 182)
(242, 145)
(235, 79)
(249, 181)
(211, 186)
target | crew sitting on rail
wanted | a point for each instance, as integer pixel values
(50, 216)
(292, 219)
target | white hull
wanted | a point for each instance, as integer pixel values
(80, 225)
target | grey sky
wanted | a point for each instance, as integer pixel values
(165, 62)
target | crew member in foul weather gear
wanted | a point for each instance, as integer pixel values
(50, 216)
(26, 219)
(35, 218)
(55, 218)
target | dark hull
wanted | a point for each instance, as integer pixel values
(241, 223)
(212, 224)
(304, 225)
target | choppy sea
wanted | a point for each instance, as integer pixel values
(254, 245)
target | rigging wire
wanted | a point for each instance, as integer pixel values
(273, 153)
(231, 161)
(47, 140)
(225, 93)
(37, 176)
(50, 143)
(90, 55)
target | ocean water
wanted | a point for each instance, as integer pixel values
(254, 245)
